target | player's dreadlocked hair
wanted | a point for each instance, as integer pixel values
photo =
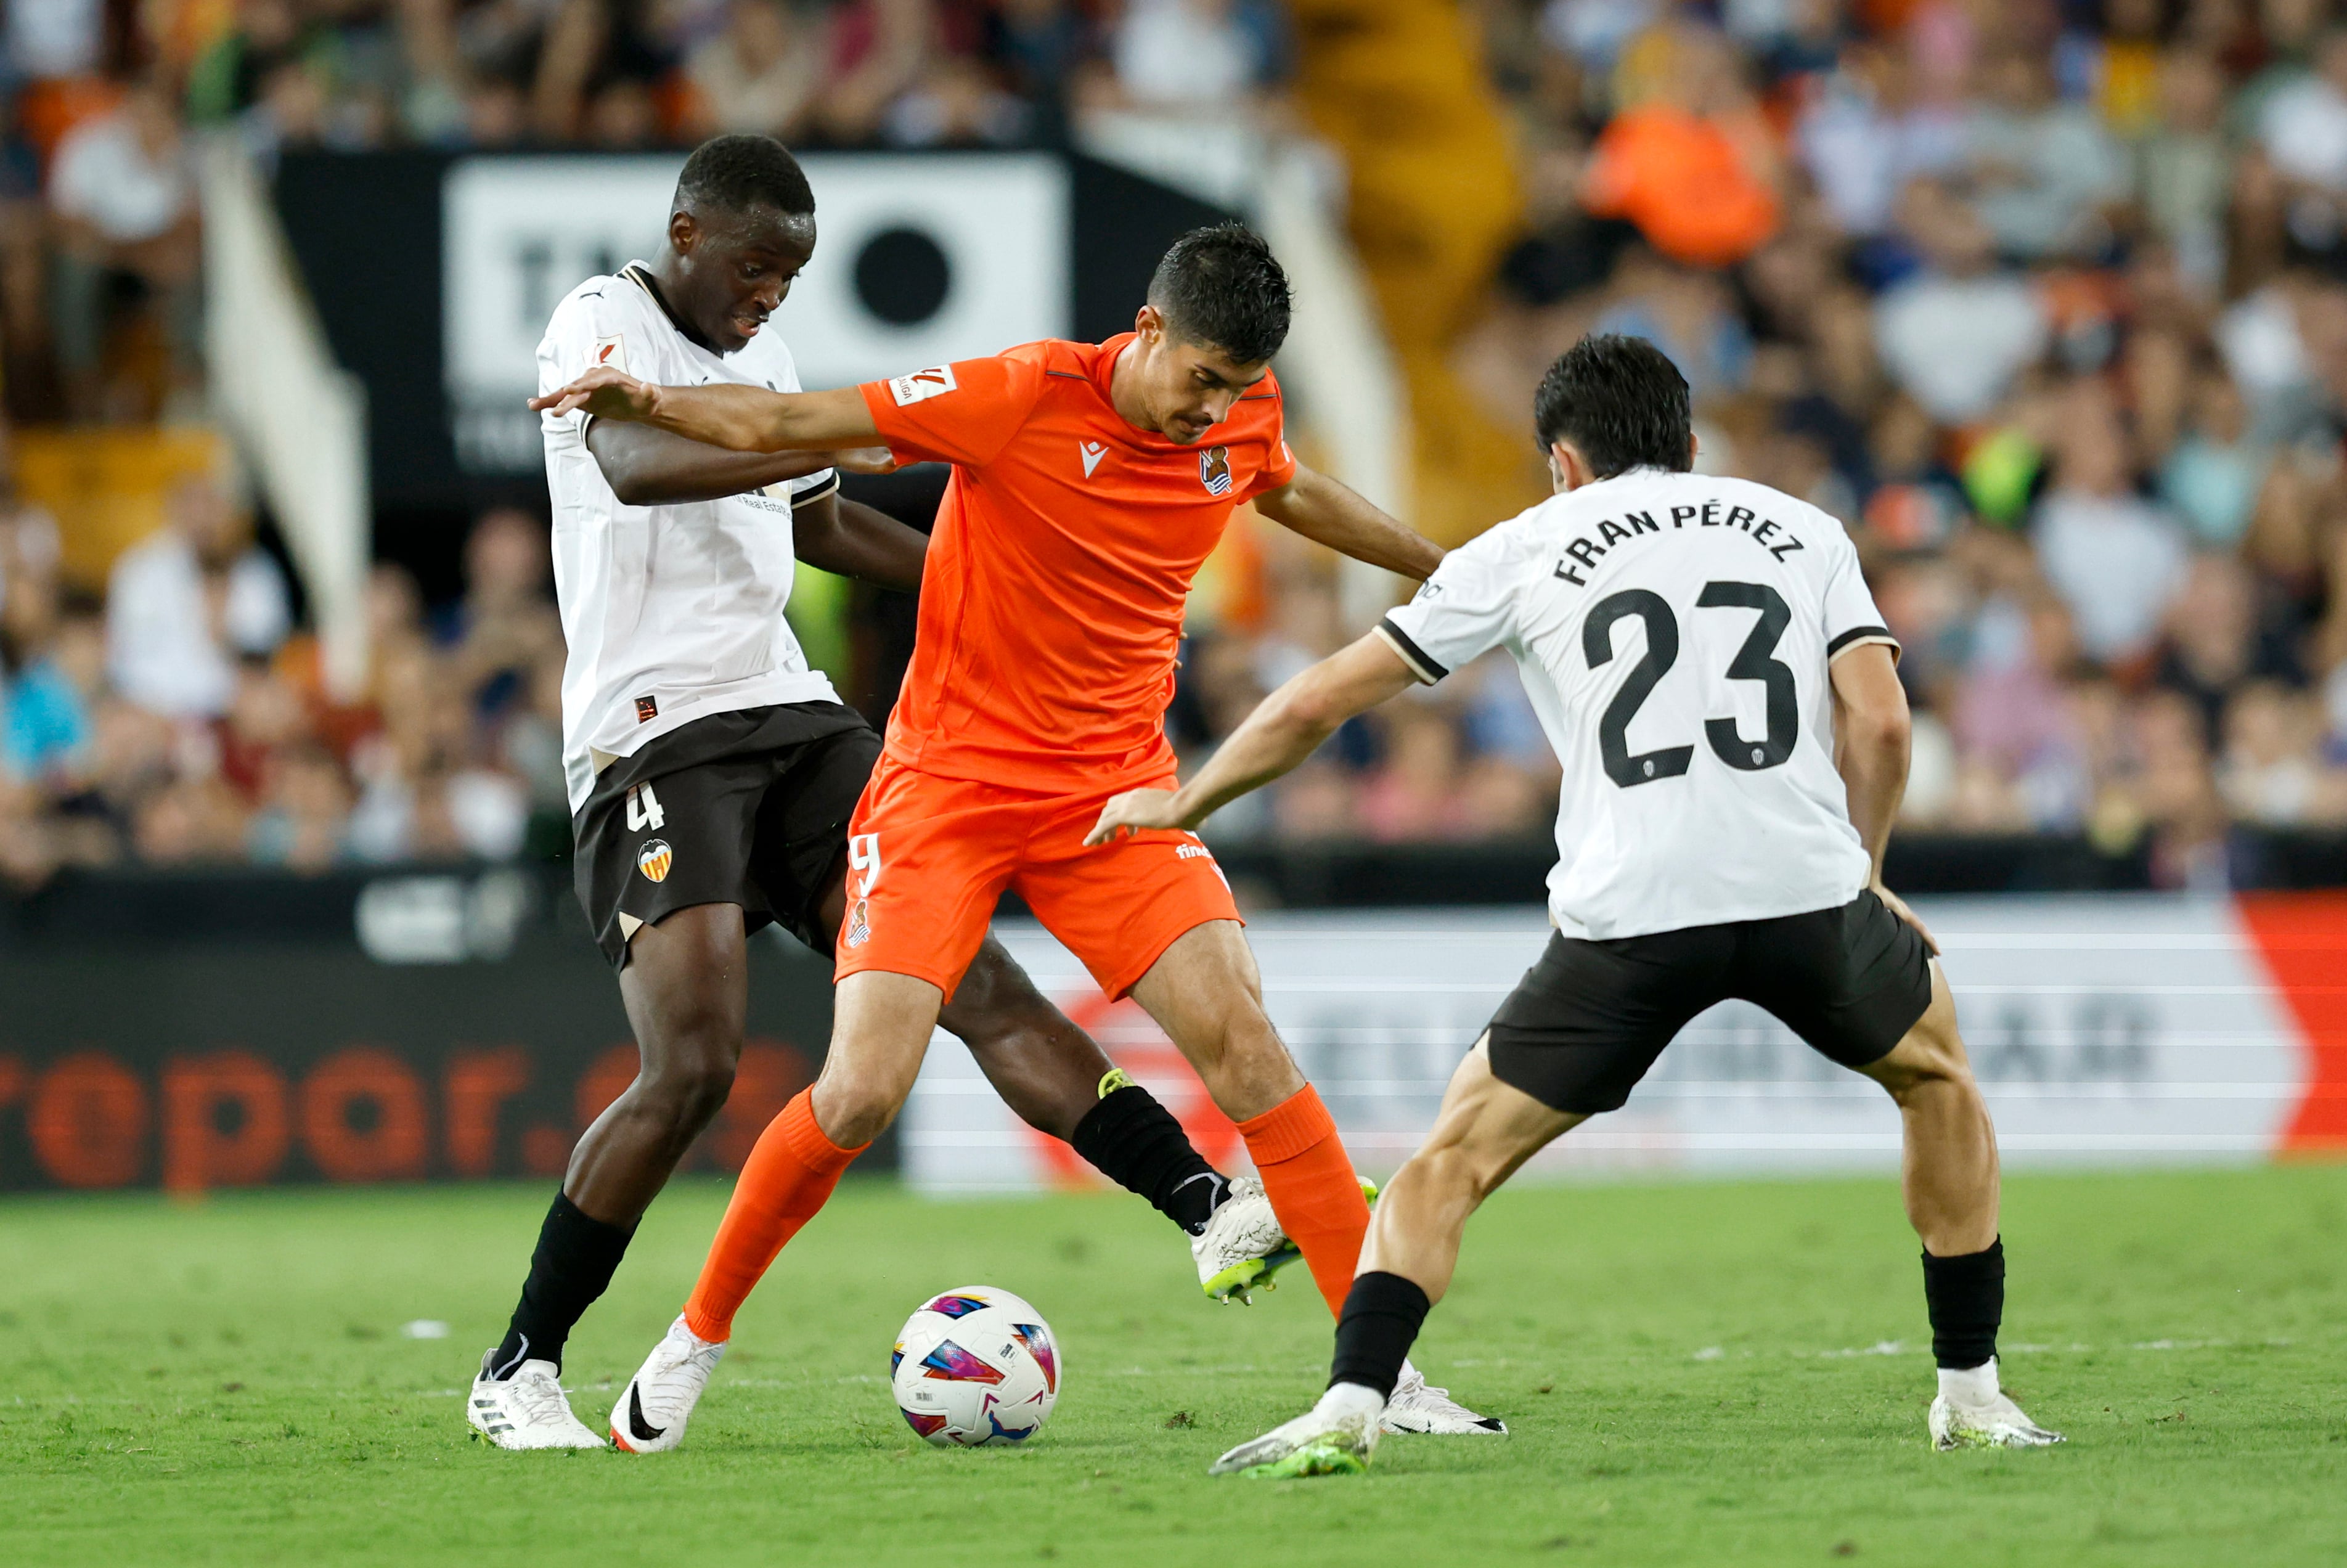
(1221, 286)
(1621, 401)
(736, 173)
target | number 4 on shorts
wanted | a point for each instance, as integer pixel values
(645, 809)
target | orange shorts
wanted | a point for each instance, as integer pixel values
(928, 857)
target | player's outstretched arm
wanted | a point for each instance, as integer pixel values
(736, 417)
(1285, 727)
(853, 540)
(648, 467)
(1318, 508)
(1870, 750)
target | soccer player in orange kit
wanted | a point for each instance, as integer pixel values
(1090, 483)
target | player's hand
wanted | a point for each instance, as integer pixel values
(1897, 906)
(604, 393)
(1132, 813)
(865, 460)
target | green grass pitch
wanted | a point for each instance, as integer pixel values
(1696, 1373)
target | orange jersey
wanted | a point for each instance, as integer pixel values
(1052, 604)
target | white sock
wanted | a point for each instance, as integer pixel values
(1969, 1386)
(1346, 1400)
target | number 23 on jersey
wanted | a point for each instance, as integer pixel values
(1755, 661)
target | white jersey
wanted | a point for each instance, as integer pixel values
(1674, 633)
(672, 613)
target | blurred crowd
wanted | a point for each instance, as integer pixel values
(2047, 302)
(182, 719)
(2045, 299)
(101, 100)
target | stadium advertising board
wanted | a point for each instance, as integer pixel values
(449, 1029)
(922, 257)
(2106, 1030)
(923, 260)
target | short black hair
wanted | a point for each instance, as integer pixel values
(736, 173)
(1621, 401)
(1222, 286)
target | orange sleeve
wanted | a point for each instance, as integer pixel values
(1278, 462)
(1278, 465)
(963, 413)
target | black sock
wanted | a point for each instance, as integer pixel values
(1966, 1296)
(574, 1262)
(1383, 1313)
(1136, 1142)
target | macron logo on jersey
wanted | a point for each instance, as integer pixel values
(1093, 452)
(921, 386)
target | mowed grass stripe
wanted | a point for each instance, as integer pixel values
(1695, 1372)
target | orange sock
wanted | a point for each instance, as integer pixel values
(788, 1175)
(1309, 1180)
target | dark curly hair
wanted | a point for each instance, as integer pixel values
(736, 173)
(1621, 401)
(1222, 286)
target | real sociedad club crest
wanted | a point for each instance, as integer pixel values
(1214, 470)
(654, 860)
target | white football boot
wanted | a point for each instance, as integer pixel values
(1241, 1245)
(1418, 1407)
(1335, 1437)
(658, 1400)
(1972, 1412)
(527, 1411)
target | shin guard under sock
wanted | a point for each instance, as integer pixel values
(1965, 1297)
(573, 1264)
(1309, 1180)
(788, 1176)
(1135, 1141)
(1382, 1315)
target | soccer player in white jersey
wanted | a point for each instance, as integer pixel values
(712, 773)
(1713, 674)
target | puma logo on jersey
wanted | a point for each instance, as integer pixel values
(1093, 452)
(921, 386)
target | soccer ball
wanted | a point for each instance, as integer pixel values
(975, 1366)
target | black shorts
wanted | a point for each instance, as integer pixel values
(1586, 1022)
(749, 807)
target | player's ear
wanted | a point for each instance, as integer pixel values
(1568, 470)
(1150, 322)
(683, 232)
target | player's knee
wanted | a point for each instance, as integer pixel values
(1236, 1034)
(1927, 1061)
(854, 1104)
(690, 1092)
(1238, 1054)
(1453, 1173)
